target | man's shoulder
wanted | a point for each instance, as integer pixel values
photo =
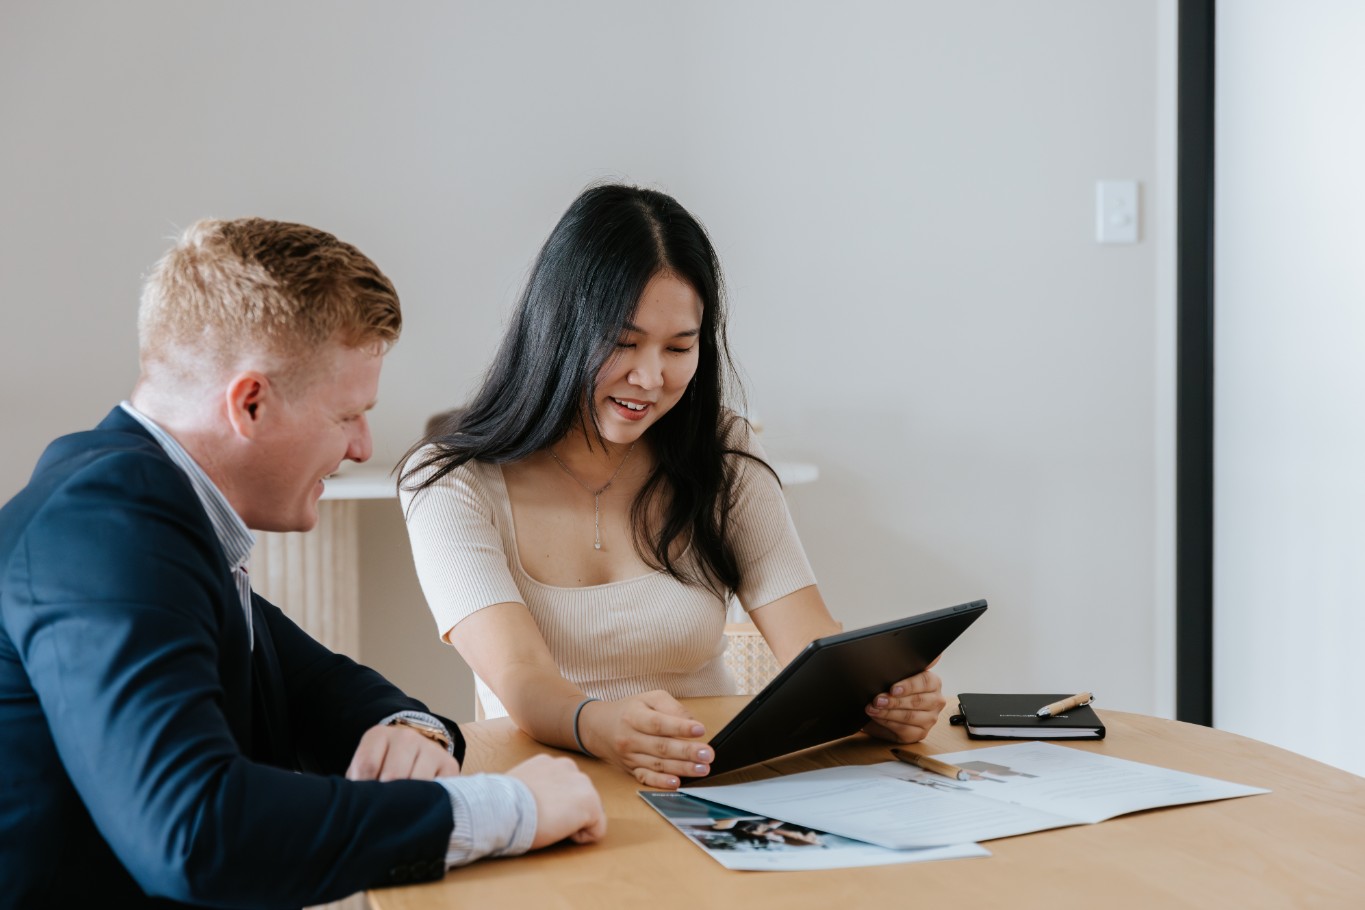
(112, 464)
(117, 432)
(107, 516)
(124, 455)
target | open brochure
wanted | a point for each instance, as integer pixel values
(742, 840)
(1016, 789)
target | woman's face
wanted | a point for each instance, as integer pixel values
(655, 359)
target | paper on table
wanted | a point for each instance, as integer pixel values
(1024, 787)
(754, 843)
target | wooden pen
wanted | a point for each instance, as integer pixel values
(1065, 705)
(926, 763)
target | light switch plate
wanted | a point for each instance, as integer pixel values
(1117, 215)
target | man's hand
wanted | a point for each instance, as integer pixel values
(396, 752)
(567, 804)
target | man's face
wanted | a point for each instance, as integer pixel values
(306, 435)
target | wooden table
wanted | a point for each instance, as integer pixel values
(1302, 845)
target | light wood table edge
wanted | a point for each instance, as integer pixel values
(1301, 845)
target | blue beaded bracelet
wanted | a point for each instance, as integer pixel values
(578, 740)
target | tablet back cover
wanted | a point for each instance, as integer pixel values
(821, 695)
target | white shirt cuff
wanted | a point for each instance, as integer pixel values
(495, 815)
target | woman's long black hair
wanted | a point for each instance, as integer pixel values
(583, 290)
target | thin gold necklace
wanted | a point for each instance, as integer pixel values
(596, 494)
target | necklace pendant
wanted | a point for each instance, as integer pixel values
(597, 519)
(596, 494)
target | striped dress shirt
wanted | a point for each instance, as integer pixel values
(495, 815)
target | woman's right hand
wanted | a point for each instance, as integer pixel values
(650, 735)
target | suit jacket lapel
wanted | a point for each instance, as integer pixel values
(235, 664)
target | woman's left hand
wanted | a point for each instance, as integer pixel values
(909, 711)
(906, 714)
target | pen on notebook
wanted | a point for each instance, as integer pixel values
(1066, 704)
(933, 764)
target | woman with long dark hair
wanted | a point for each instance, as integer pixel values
(580, 525)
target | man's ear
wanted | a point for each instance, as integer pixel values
(249, 396)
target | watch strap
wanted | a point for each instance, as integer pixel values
(436, 732)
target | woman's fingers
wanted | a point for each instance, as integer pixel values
(665, 774)
(909, 711)
(656, 779)
(661, 714)
(667, 748)
(654, 738)
(662, 760)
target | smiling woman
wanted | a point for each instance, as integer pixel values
(656, 358)
(581, 525)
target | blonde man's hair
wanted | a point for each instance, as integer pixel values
(268, 289)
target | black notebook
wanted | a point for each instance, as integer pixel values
(1015, 717)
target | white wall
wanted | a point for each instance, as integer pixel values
(901, 193)
(1289, 517)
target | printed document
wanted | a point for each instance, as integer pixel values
(1016, 789)
(742, 840)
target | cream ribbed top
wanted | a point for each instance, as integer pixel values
(612, 640)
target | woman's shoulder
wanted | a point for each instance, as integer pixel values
(737, 432)
(429, 468)
(743, 445)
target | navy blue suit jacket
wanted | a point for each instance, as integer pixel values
(146, 751)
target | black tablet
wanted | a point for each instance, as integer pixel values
(821, 695)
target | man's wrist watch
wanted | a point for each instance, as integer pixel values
(434, 732)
